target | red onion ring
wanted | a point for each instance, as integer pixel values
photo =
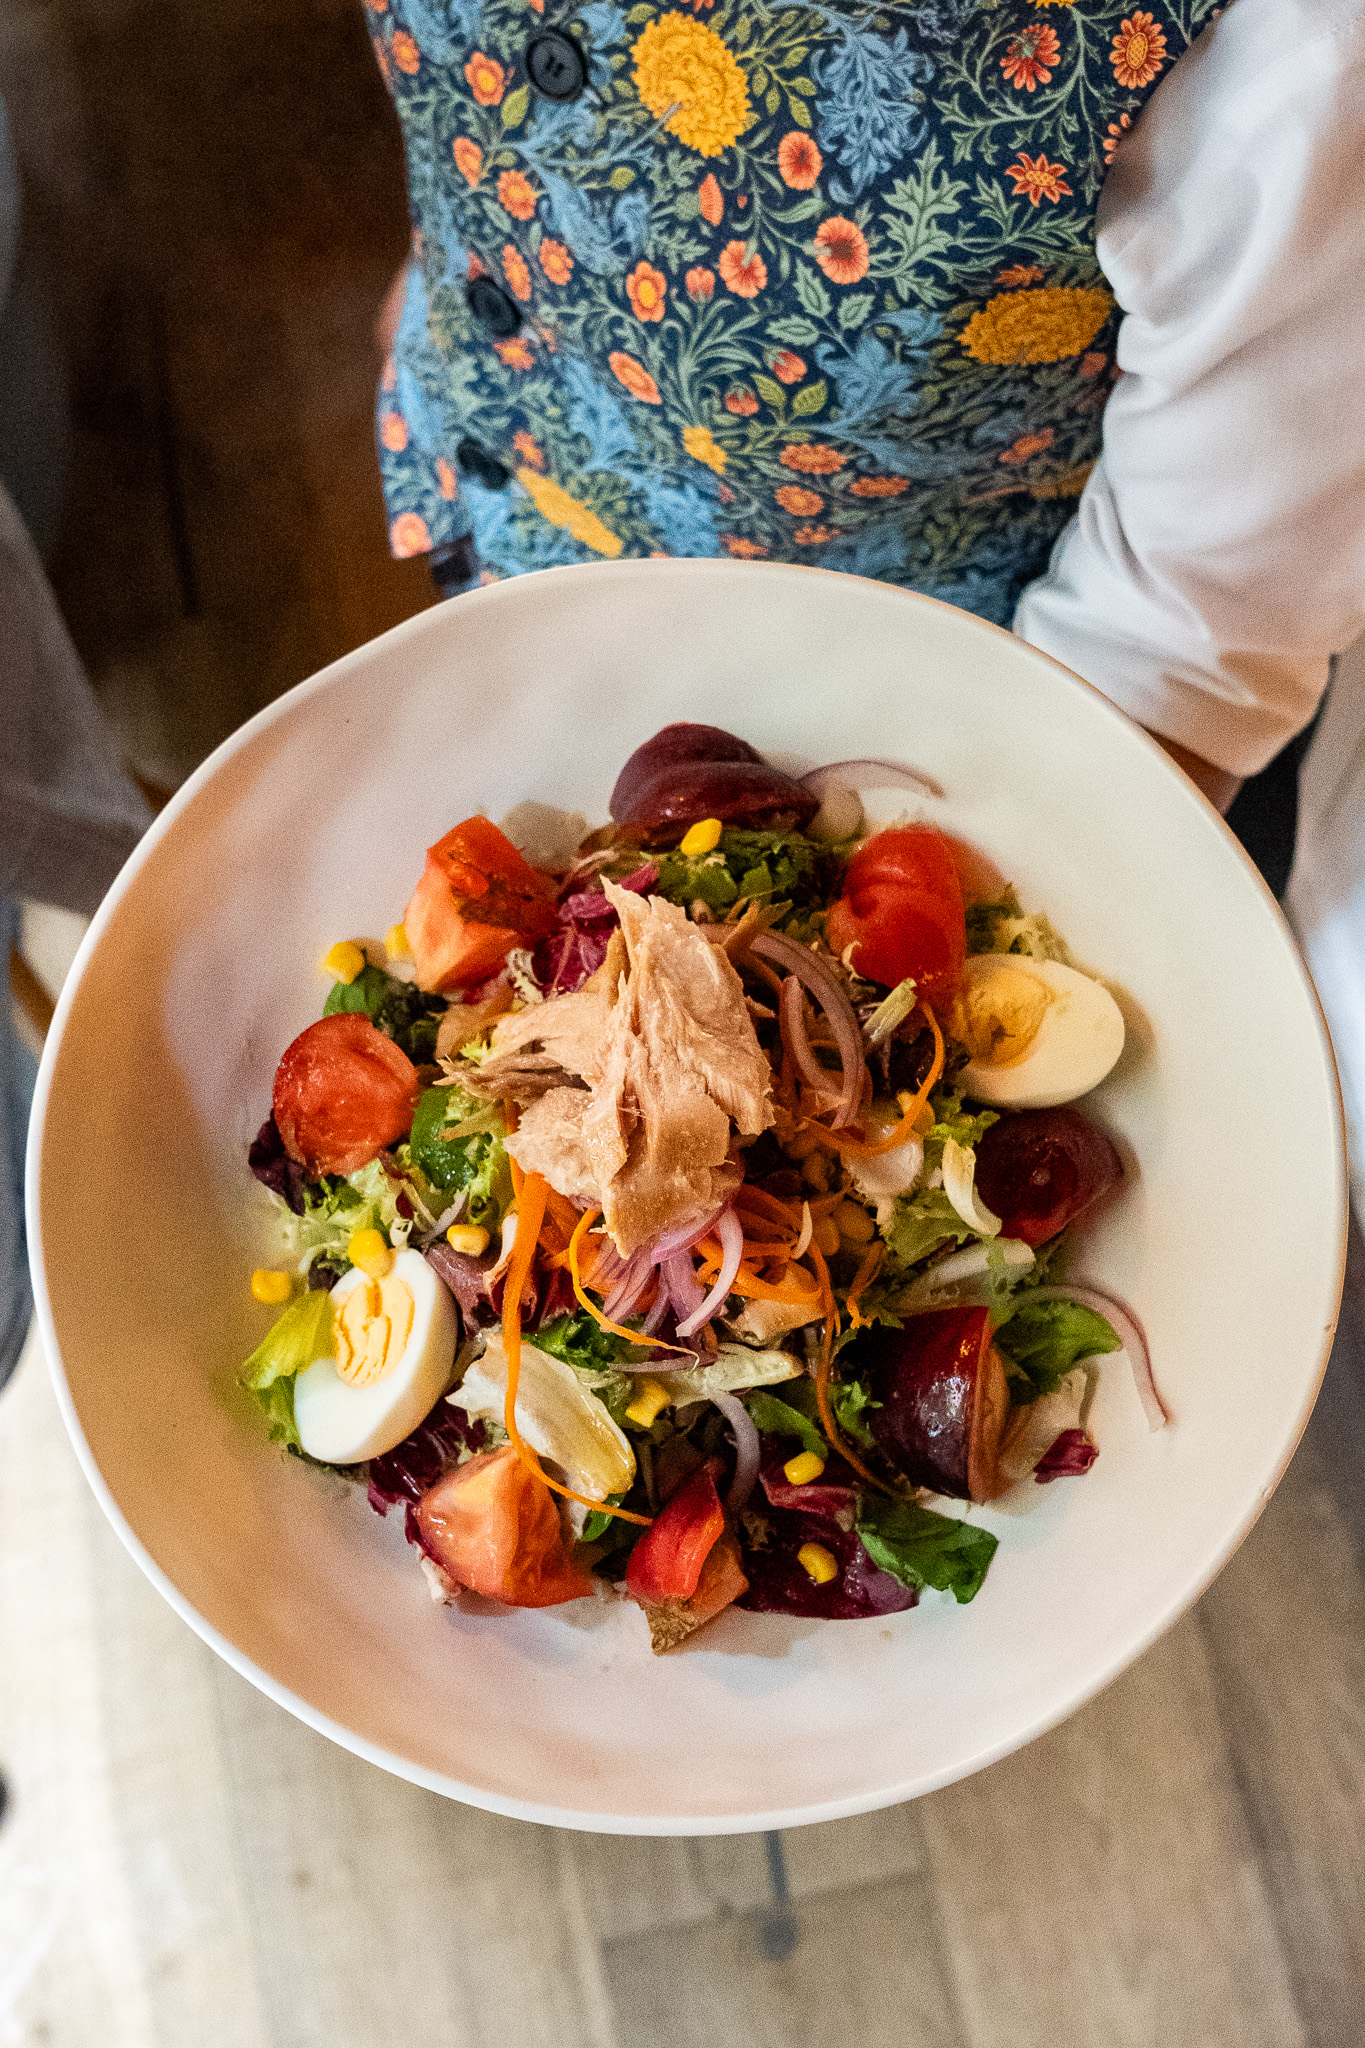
(870, 775)
(685, 1290)
(682, 1240)
(1129, 1333)
(820, 980)
(748, 1450)
(634, 1279)
(793, 1027)
(731, 1234)
(654, 1319)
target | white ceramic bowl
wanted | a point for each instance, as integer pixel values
(311, 823)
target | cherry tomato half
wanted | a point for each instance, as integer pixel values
(343, 1091)
(901, 912)
(666, 1563)
(476, 900)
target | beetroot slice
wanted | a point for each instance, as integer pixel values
(673, 747)
(944, 1401)
(1039, 1169)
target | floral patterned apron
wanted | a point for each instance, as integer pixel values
(812, 283)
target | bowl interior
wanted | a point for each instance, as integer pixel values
(310, 825)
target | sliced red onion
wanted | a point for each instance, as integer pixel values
(682, 1240)
(748, 1450)
(685, 1290)
(731, 1234)
(937, 1288)
(870, 775)
(631, 1284)
(1129, 1332)
(663, 1304)
(794, 1037)
(824, 985)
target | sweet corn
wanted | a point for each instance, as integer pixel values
(396, 942)
(703, 837)
(826, 1236)
(819, 1564)
(652, 1397)
(855, 1225)
(368, 1250)
(345, 960)
(272, 1288)
(805, 1466)
(467, 1237)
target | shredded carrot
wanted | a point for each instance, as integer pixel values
(871, 1260)
(907, 1128)
(604, 1322)
(822, 1369)
(531, 1213)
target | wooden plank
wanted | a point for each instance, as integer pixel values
(1102, 1886)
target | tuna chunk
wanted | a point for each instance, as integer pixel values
(671, 1070)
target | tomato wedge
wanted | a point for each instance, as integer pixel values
(494, 1527)
(343, 1091)
(666, 1563)
(901, 911)
(477, 899)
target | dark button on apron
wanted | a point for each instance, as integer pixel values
(478, 463)
(556, 66)
(492, 308)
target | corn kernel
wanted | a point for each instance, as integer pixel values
(651, 1398)
(818, 1563)
(396, 942)
(368, 1250)
(467, 1237)
(703, 837)
(805, 1466)
(272, 1288)
(826, 1236)
(855, 1225)
(345, 960)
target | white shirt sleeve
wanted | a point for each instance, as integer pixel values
(1217, 559)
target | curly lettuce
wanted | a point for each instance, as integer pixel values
(474, 1163)
(301, 1334)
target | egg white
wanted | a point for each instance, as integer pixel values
(1077, 1042)
(342, 1424)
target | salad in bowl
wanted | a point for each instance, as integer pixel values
(676, 1210)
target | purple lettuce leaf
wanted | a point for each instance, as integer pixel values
(1071, 1455)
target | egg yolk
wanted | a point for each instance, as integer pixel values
(372, 1329)
(1001, 1015)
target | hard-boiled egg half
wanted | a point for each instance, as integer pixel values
(1039, 1033)
(393, 1347)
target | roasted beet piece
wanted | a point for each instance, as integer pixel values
(944, 1401)
(688, 772)
(674, 746)
(1071, 1456)
(780, 1584)
(1039, 1169)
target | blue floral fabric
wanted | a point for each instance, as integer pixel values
(813, 283)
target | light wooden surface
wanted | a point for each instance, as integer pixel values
(1180, 1866)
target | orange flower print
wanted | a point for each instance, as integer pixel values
(745, 275)
(1035, 178)
(517, 194)
(446, 480)
(379, 6)
(725, 494)
(813, 536)
(556, 261)
(474, 268)
(528, 448)
(515, 271)
(811, 458)
(646, 288)
(486, 79)
(799, 161)
(878, 486)
(792, 498)
(388, 376)
(700, 282)
(468, 159)
(742, 404)
(1093, 362)
(710, 201)
(1138, 51)
(408, 536)
(743, 550)
(1028, 445)
(393, 432)
(634, 376)
(1029, 59)
(514, 353)
(841, 250)
(1019, 273)
(1114, 135)
(408, 57)
(538, 6)
(788, 367)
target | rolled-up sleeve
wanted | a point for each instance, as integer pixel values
(1217, 559)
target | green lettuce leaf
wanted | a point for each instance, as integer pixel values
(920, 1223)
(398, 1008)
(477, 1163)
(595, 1355)
(772, 1417)
(769, 867)
(1041, 1341)
(922, 1549)
(301, 1334)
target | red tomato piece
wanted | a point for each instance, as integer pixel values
(901, 912)
(343, 1091)
(494, 1527)
(980, 879)
(477, 899)
(666, 1563)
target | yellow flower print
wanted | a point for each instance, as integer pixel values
(681, 63)
(1036, 327)
(553, 502)
(702, 447)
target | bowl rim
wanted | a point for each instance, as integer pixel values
(584, 1820)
